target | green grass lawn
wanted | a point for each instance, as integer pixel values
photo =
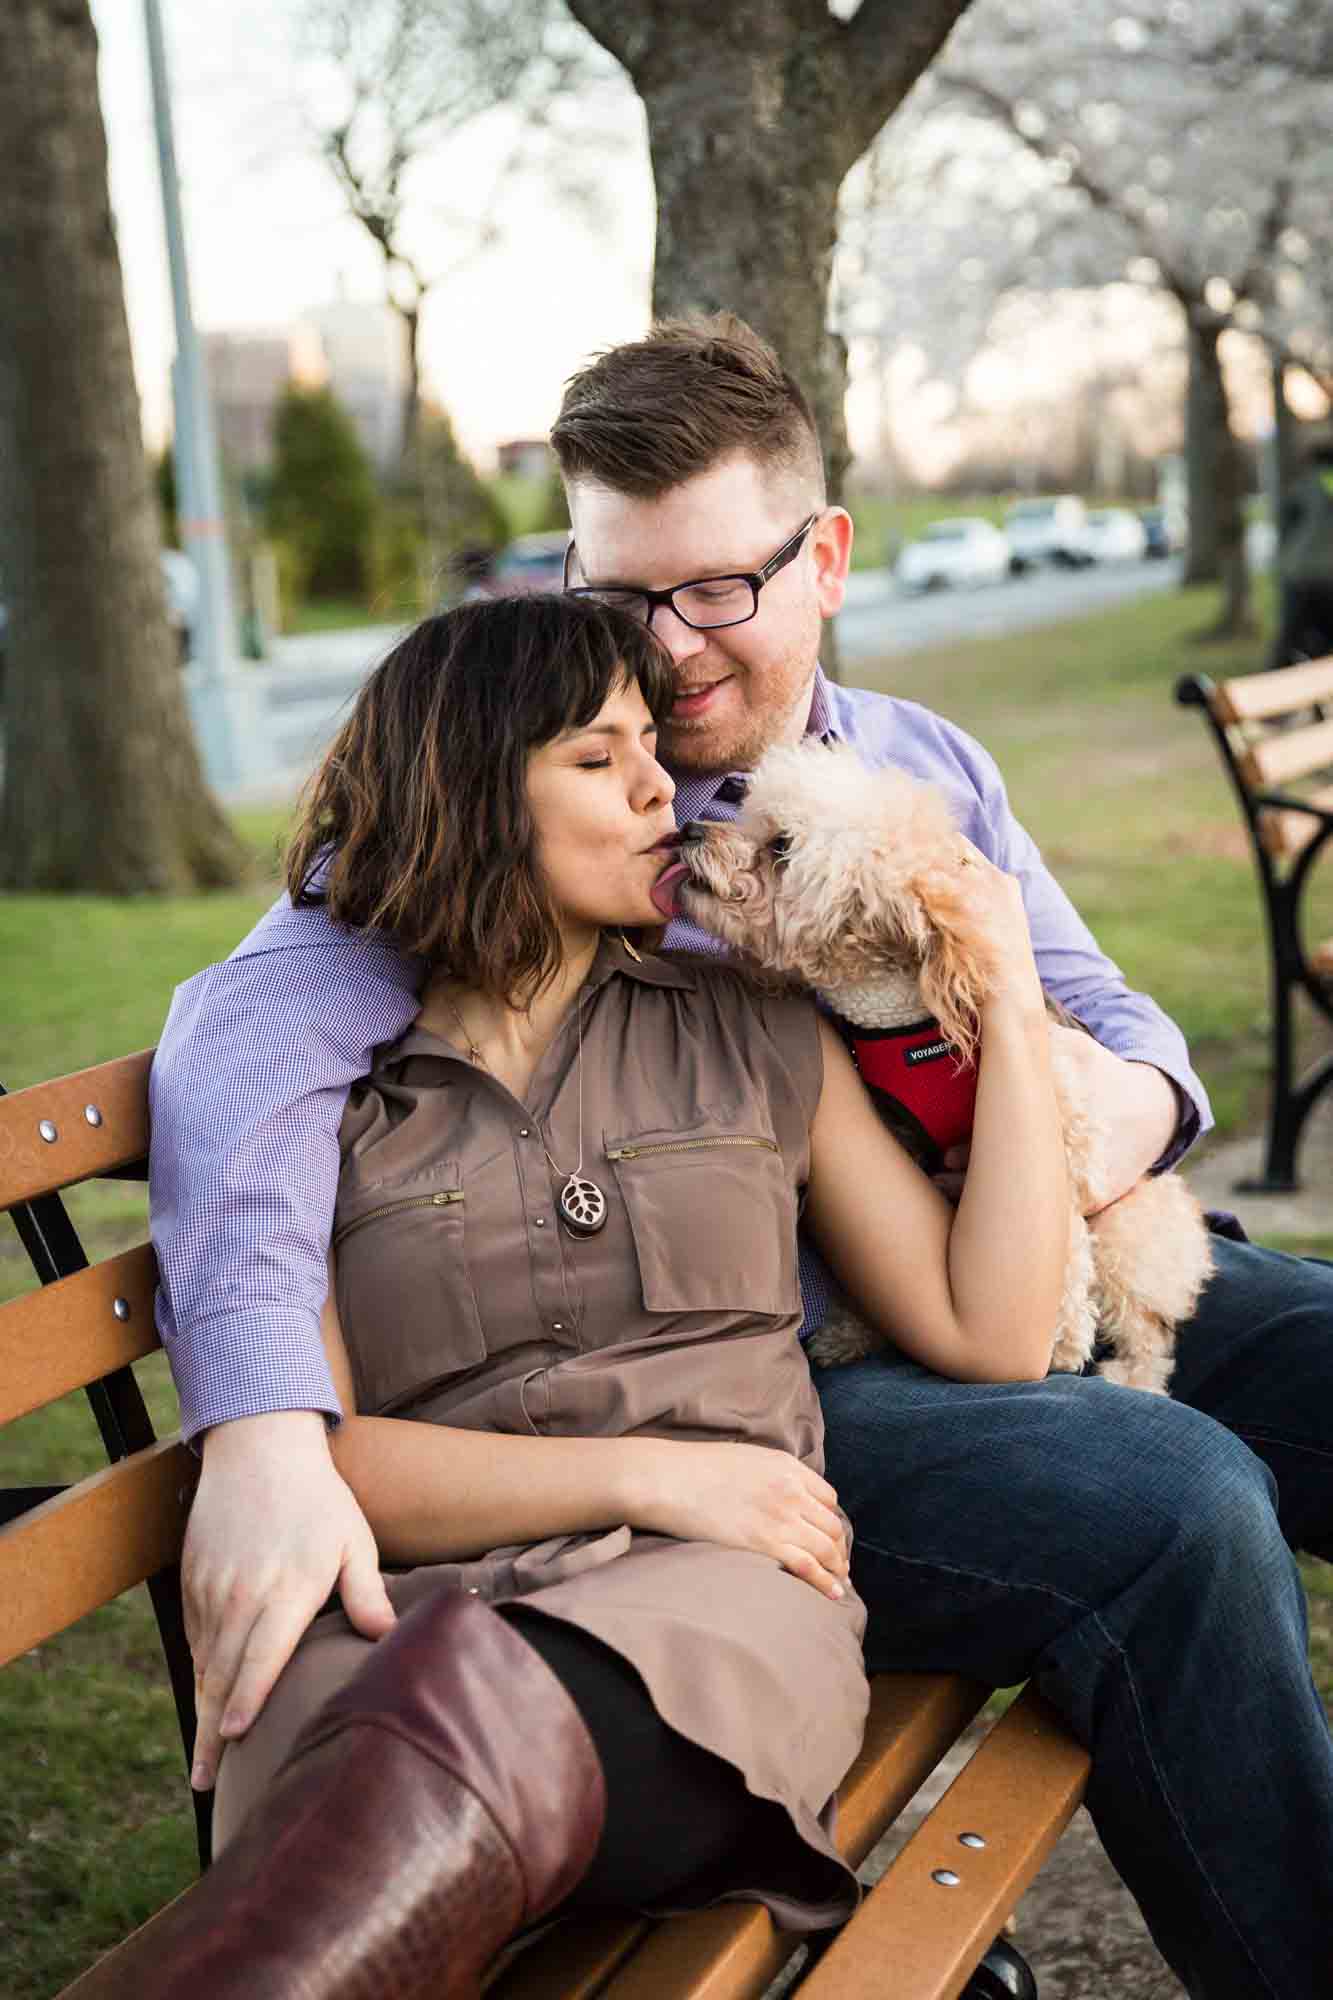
(1124, 793)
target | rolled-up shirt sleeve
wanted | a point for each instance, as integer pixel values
(247, 1093)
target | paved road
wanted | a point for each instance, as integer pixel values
(311, 678)
(878, 619)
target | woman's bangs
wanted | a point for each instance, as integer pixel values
(607, 650)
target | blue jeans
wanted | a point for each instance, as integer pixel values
(1132, 1555)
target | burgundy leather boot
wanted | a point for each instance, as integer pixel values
(447, 1796)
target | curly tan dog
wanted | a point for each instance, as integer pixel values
(847, 879)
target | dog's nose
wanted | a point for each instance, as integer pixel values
(693, 831)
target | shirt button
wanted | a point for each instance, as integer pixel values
(557, 1326)
(541, 1222)
(523, 1132)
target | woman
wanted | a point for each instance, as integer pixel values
(563, 1315)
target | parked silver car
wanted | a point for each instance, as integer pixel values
(1048, 531)
(965, 550)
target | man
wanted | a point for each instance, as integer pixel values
(1305, 561)
(1129, 1552)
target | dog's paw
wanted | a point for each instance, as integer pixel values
(1151, 1372)
(842, 1338)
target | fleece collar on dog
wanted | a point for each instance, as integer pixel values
(917, 1070)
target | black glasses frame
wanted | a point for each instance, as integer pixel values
(756, 579)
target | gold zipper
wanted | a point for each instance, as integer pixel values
(443, 1199)
(683, 1146)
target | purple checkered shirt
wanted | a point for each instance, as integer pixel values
(255, 1061)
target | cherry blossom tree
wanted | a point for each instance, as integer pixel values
(1215, 193)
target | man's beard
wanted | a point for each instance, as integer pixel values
(693, 748)
(698, 750)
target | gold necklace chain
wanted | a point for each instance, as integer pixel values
(477, 1058)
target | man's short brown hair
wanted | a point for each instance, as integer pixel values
(652, 413)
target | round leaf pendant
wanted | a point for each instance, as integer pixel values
(582, 1206)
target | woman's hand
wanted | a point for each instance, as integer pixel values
(995, 900)
(745, 1496)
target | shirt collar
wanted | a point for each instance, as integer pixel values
(695, 792)
(615, 954)
(630, 958)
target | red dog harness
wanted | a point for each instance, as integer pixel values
(918, 1070)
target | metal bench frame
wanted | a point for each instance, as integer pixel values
(1284, 855)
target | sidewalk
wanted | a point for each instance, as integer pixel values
(1302, 1216)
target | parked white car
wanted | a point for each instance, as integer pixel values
(1116, 535)
(1048, 531)
(965, 550)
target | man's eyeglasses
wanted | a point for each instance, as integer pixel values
(705, 602)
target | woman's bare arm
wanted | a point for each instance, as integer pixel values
(971, 1292)
(436, 1494)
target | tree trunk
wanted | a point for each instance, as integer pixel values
(411, 413)
(1205, 424)
(756, 111)
(103, 787)
(1215, 475)
(1283, 467)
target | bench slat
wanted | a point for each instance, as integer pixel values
(68, 1334)
(89, 1544)
(1019, 1792)
(733, 1951)
(1284, 832)
(1294, 754)
(32, 1166)
(914, 1718)
(1256, 697)
(573, 1962)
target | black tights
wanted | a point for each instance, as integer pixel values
(674, 1812)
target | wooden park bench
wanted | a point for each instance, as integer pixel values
(924, 1933)
(1275, 735)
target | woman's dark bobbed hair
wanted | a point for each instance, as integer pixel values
(416, 825)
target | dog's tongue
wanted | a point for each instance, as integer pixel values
(663, 891)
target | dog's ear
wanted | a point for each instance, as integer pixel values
(956, 972)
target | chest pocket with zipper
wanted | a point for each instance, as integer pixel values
(405, 1299)
(714, 1220)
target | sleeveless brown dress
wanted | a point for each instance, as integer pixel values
(464, 1301)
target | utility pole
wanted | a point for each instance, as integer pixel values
(213, 678)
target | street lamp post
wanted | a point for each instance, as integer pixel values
(214, 677)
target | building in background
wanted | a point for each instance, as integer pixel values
(365, 364)
(247, 373)
(357, 349)
(525, 458)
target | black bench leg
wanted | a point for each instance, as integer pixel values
(1003, 1974)
(1284, 1116)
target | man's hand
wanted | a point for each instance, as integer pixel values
(1134, 1103)
(273, 1529)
